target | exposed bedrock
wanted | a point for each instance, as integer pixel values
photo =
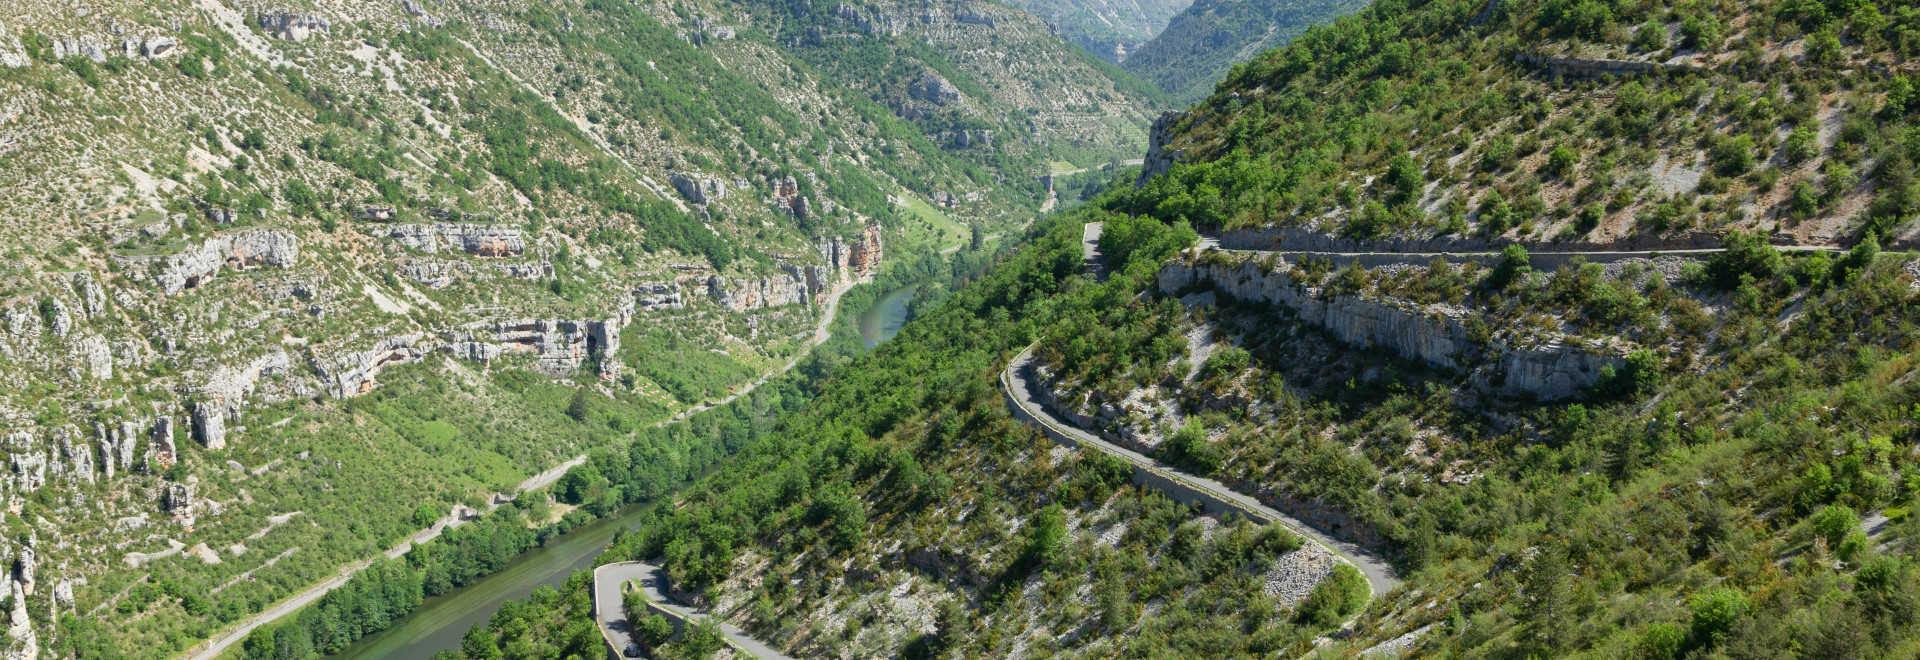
(1559, 367)
(475, 239)
(240, 250)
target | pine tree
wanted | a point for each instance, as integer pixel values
(1547, 596)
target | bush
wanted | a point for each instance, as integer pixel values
(1337, 597)
(1747, 253)
(1189, 449)
(1662, 641)
(1225, 363)
(1732, 156)
(425, 515)
(1562, 161)
(1513, 267)
(1714, 612)
(1833, 523)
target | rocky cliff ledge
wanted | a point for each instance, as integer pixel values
(475, 239)
(1555, 368)
(852, 260)
(239, 250)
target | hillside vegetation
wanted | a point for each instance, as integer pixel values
(273, 267)
(1111, 30)
(1206, 39)
(1570, 443)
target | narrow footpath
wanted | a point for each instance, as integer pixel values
(610, 613)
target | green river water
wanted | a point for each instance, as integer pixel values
(442, 621)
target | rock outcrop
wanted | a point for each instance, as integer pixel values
(560, 346)
(934, 88)
(435, 274)
(353, 373)
(240, 251)
(744, 294)
(1558, 368)
(475, 239)
(210, 424)
(117, 445)
(1159, 159)
(856, 259)
(699, 189)
(26, 461)
(163, 451)
(420, 13)
(294, 27)
(1582, 68)
(658, 295)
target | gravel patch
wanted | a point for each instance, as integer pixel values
(1294, 574)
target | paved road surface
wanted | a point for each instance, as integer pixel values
(610, 614)
(1213, 243)
(1016, 380)
(1090, 250)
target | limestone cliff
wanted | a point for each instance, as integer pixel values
(1558, 367)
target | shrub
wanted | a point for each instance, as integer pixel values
(1833, 523)
(1732, 156)
(1337, 597)
(1662, 641)
(1714, 612)
(1650, 37)
(1188, 448)
(1801, 145)
(1747, 253)
(1513, 267)
(1562, 161)
(1225, 362)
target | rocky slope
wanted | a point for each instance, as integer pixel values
(1111, 30)
(1204, 40)
(231, 224)
(1646, 129)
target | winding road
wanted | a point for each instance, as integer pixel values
(1017, 382)
(610, 613)
(1372, 258)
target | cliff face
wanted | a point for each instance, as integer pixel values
(238, 250)
(848, 261)
(1554, 368)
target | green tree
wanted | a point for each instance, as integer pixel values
(1714, 612)
(1403, 174)
(1562, 161)
(578, 407)
(1547, 606)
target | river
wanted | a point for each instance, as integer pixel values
(442, 621)
(883, 321)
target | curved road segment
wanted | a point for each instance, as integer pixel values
(610, 614)
(1016, 380)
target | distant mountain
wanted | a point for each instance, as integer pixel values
(1111, 29)
(1200, 44)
